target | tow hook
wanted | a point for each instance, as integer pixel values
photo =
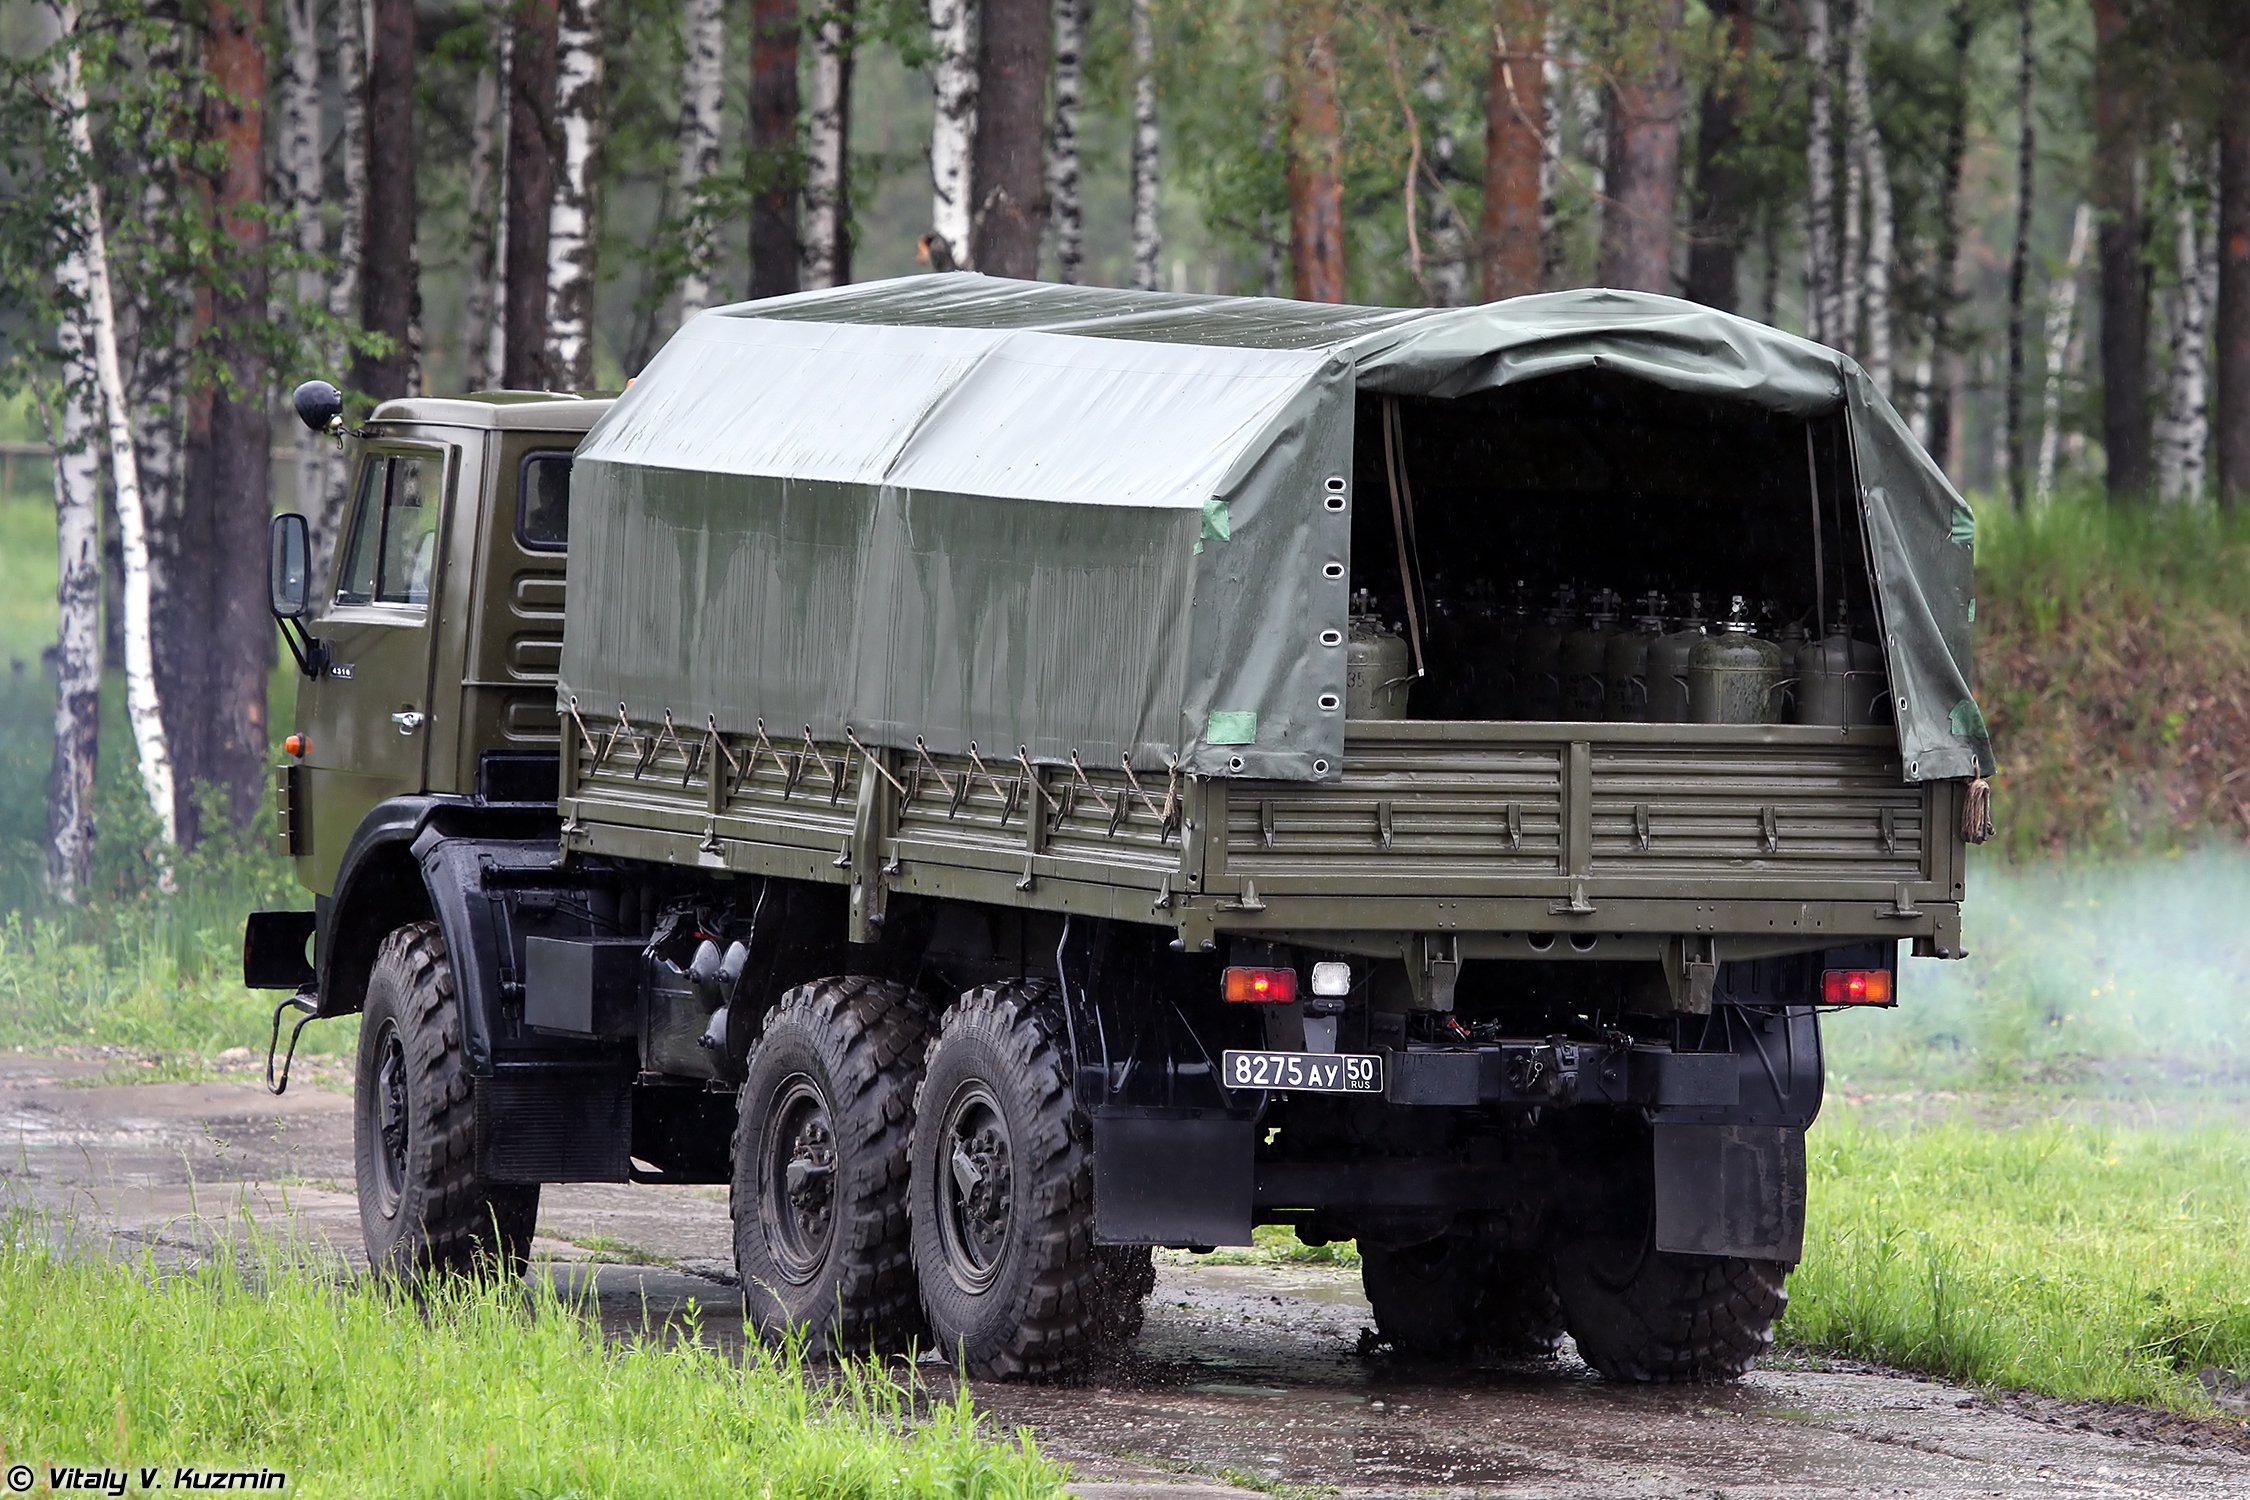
(306, 1002)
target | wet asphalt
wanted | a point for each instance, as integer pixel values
(1245, 1379)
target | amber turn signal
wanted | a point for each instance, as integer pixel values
(295, 746)
(1856, 987)
(1261, 986)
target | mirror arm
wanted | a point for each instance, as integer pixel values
(310, 650)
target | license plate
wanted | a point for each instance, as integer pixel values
(1305, 1072)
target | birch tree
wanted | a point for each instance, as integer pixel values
(2184, 433)
(1553, 87)
(955, 38)
(1851, 249)
(73, 434)
(828, 126)
(2062, 329)
(300, 156)
(1449, 238)
(570, 226)
(1867, 156)
(85, 283)
(1148, 240)
(1821, 314)
(481, 346)
(1066, 206)
(700, 98)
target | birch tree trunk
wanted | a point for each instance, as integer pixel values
(1644, 157)
(1820, 179)
(390, 295)
(488, 219)
(163, 305)
(1008, 159)
(2019, 263)
(1514, 227)
(955, 37)
(2126, 437)
(2062, 327)
(1316, 149)
(530, 194)
(1148, 240)
(1552, 84)
(1066, 207)
(1868, 162)
(85, 283)
(1449, 239)
(300, 155)
(570, 227)
(2185, 431)
(1937, 425)
(828, 128)
(73, 434)
(700, 99)
(1851, 253)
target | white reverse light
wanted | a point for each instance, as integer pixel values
(1331, 979)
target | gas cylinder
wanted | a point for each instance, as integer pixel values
(1824, 671)
(1378, 668)
(1792, 640)
(1497, 682)
(1625, 666)
(1869, 698)
(1734, 677)
(1539, 660)
(1668, 666)
(1583, 652)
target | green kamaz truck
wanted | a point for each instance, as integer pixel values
(1008, 775)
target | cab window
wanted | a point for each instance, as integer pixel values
(543, 502)
(392, 552)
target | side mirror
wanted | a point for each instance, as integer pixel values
(319, 405)
(289, 567)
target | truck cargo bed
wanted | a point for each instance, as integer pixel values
(1779, 833)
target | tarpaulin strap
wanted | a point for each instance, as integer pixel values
(624, 728)
(1007, 799)
(1023, 759)
(1078, 774)
(1135, 783)
(778, 763)
(869, 756)
(1402, 525)
(1171, 816)
(672, 733)
(924, 751)
(583, 732)
(835, 774)
(720, 740)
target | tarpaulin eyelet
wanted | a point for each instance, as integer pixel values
(1332, 570)
(1329, 703)
(1332, 637)
(1234, 762)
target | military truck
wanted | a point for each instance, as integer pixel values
(992, 772)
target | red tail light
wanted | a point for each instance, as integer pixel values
(1856, 987)
(1261, 986)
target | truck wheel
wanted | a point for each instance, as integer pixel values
(1002, 1192)
(819, 1198)
(1456, 1296)
(422, 1206)
(1644, 1314)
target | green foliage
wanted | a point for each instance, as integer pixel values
(2075, 1260)
(262, 1359)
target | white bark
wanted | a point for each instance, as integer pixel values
(1066, 203)
(1851, 262)
(1868, 163)
(827, 181)
(1448, 258)
(953, 38)
(1820, 181)
(1551, 87)
(300, 159)
(78, 597)
(85, 283)
(570, 222)
(2183, 433)
(700, 97)
(1148, 239)
(2062, 322)
(326, 518)
(488, 125)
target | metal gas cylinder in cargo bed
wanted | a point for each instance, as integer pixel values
(1625, 687)
(1734, 677)
(1668, 666)
(1840, 681)
(1585, 651)
(1378, 669)
(1539, 659)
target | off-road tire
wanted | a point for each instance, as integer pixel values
(838, 1057)
(1124, 1277)
(1033, 1308)
(1459, 1297)
(422, 1207)
(1655, 1316)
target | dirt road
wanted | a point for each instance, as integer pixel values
(1244, 1374)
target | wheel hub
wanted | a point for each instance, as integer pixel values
(800, 1180)
(391, 1114)
(976, 1213)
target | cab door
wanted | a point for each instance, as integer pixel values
(367, 717)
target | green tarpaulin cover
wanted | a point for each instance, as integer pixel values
(1079, 520)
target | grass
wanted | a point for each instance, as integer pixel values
(261, 1361)
(2068, 1259)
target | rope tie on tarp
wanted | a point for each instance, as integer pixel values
(1023, 759)
(583, 732)
(1976, 812)
(923, 750)
(734, 767)
(1078, 778)
(868, 756)
(1402, 528)
(1008, 799)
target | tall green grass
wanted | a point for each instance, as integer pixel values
(2068, 1259)
(356, 1387)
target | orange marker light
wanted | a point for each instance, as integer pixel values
(1261, 986)
(294, 745)
(1856, 987)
